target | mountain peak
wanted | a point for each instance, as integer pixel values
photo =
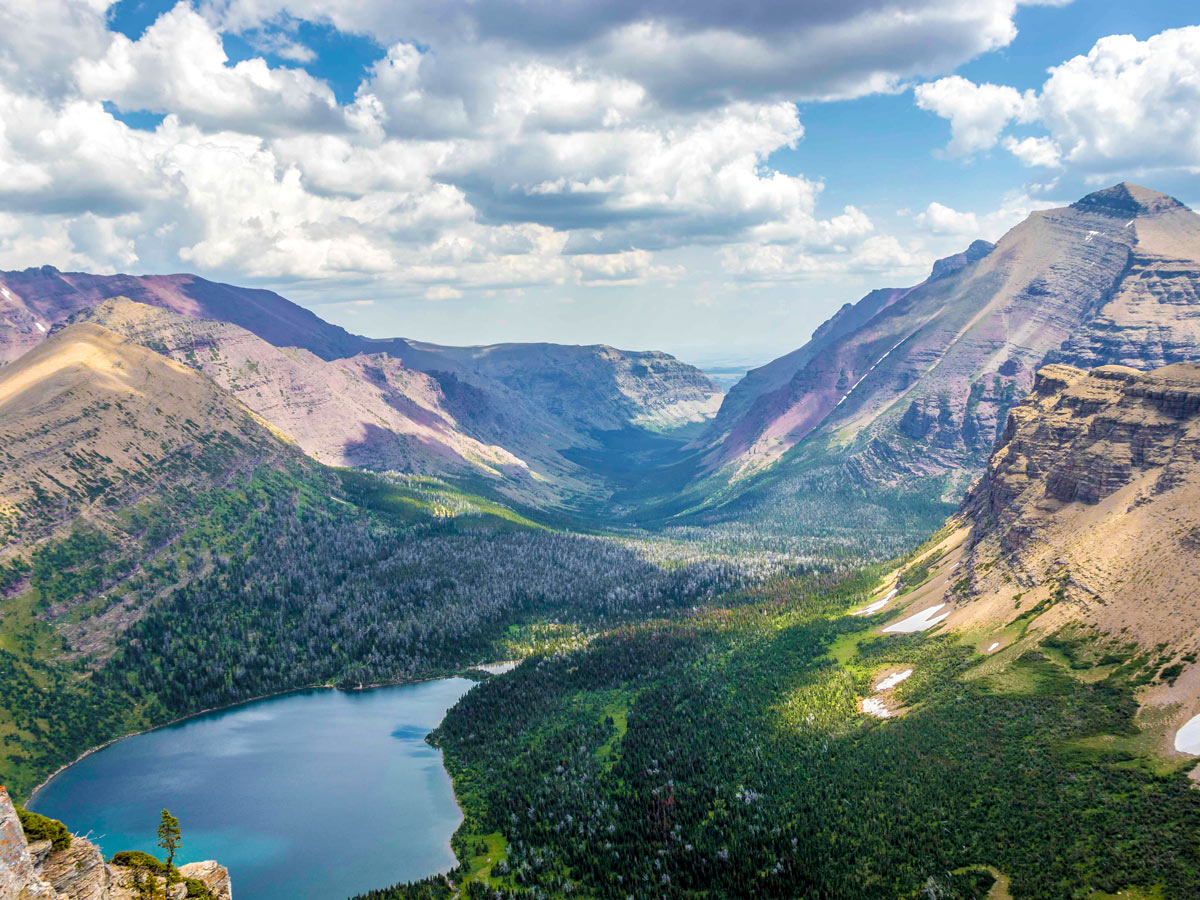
(950, 264)
(1127, 200)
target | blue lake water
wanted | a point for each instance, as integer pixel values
(315, 795)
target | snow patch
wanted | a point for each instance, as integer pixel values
(7, 293)
(499, 668)
(1187, 738)
(923, 620)
(877, 605)
(876, 708)
(40, 327)
(992, 648)
(892, 680)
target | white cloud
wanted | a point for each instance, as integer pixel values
(179, 66)
(691, 55)
(493, 147)
(978, 113)
(40, 40)
(1127, 106)
(942, 220)
(1035, 151)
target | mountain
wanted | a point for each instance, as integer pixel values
(1090, 506)
(537, 421)
(91, 422)
(916, 382)
(368, 410)
(1082, 538)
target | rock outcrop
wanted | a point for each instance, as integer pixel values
(1090, 506)
(37, 871)
(918, 382)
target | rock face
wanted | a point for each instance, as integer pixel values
(1094, 491)
(919, 381)
(516, 413)
(36, 871)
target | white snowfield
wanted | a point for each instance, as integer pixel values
(892, 680)
(876, 708)
(992, 648)
(877, 605)
(923, 620)
(1187, 738)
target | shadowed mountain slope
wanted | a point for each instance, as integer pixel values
(520, 414)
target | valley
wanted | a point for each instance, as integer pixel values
(873, 624)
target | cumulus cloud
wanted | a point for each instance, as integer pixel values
(940, 219)
(492, 146)
(977, 112)
(1125, 106)
(703, 53)
(179, 66)
(1128, 103)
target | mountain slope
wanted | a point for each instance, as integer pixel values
(367, 411)
(543, 416)
(91, 421)
(1096, 482)
(918, 382)
(1082, 539)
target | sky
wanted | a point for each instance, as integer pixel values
(712, 179)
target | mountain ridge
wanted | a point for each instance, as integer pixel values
(917, 384)
(520, 415)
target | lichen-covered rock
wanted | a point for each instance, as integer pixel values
(214, 875)
(78, 872)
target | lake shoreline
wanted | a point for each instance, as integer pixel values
(228, 706)
(250, 778)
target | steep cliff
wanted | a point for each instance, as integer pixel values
(1088, 514)
(918, 382)
(1091, 504)
(39, 870)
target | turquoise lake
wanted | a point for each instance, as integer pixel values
(315, 795)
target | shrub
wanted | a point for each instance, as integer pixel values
(42, 828)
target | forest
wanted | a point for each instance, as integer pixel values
(298, 575)
(722, 754)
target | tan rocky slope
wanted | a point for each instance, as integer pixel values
(368, 411)
(918, 382)
(99, 437)
(1086, 522)
(35, 870)
(91, 421)
(520, 410)
(1091, 505)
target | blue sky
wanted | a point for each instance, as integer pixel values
(711, 179)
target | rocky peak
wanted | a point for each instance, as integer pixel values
(948, 265)
(1127, 201)
(38, 871)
